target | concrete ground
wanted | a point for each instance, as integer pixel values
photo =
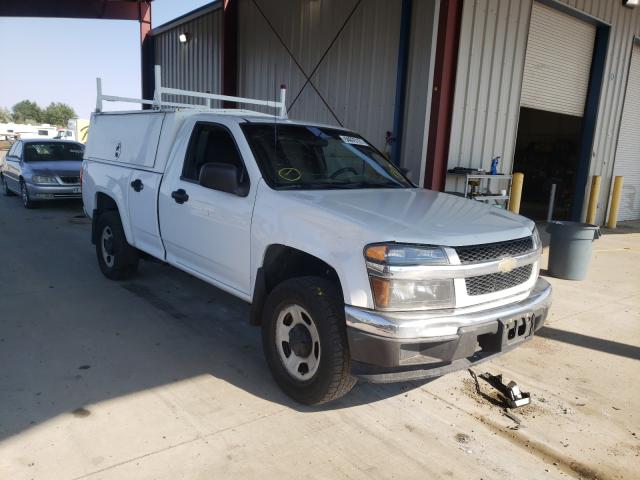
(161, 377)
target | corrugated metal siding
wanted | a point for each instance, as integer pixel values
(357, 78)
(625, 24)
(197, 64)
(558, 62)
(628, 151)
(419, 82)
(489, 80)
(493, 40)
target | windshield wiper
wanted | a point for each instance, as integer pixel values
(370, 185)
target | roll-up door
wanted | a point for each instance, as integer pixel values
(628, 151)
(558, 61)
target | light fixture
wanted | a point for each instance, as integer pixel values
(630, 3)
(183, 37)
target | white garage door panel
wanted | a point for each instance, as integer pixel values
(628, 152)
(558, 62)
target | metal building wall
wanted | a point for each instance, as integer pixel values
(493, 40)
(196, 64)
(424, 24)
(357, 78)
(489, 82)
(625, 24)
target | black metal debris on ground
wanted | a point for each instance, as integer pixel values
(510, 394)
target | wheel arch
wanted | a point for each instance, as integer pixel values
(103, 202)
(282, 262)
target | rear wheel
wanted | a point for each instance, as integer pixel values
(305, 342)
(117, 259)
(5, 188)
(24, 195)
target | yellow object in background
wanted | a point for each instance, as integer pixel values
(593, 199)
(615, 202)
(516, 192)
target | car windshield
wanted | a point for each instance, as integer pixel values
(51, 151)
(305, 157)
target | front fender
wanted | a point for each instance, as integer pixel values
(277, 220)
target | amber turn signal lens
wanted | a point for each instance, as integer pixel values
(381, 289)
(376, 253)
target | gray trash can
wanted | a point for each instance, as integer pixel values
(570, 249)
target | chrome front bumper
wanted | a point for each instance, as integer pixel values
(442, 323)
(393, 346)
(53, 192)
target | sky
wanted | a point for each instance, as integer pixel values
(57, 59)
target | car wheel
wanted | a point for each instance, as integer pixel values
(5, 187)
(24, 195)
(305, 341)
(117, 259)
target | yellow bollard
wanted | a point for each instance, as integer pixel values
(516, 192)
(615, 202)
(593, 199)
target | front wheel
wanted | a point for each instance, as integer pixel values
(117, 259)
(24, 195)
(305, 342)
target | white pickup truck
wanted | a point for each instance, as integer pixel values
(351, 271)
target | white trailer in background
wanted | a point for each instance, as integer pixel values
(18, 130)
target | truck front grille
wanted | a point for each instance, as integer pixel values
(71, 180)
(494, 282)
(493, 251)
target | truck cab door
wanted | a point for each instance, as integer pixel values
(207, 231)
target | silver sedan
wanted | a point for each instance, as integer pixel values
(40, 170)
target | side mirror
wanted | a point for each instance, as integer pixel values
(223, 177)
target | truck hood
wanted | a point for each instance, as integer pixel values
(415, 216)
(56, 167)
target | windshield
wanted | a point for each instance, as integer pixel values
(304, 157)
(50, 151)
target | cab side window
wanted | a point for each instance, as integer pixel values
(211, 143)
(17, 152)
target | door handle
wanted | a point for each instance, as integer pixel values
(137, 185)
(180, 196)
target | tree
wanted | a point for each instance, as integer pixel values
(58, 113)
(5, 115)
(25, 111)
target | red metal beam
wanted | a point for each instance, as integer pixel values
(444, 80)
(147, 51)
(230, 49)
(104, 9)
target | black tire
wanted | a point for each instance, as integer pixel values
(24, 196)
(331, 378)
(117, 259)
(5, 188)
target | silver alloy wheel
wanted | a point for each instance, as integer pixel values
(106, 244)
(298, 342)
(25, 194)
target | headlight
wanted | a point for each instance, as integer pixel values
(536, 238)
(43, 179)
(394, 274)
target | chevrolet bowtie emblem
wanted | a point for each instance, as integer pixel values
(506, 265)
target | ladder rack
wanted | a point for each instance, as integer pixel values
(158, 102)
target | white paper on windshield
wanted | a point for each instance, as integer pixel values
(353, 140)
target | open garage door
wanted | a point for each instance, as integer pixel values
(554, 91)
(628, 151)
(558, 62)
